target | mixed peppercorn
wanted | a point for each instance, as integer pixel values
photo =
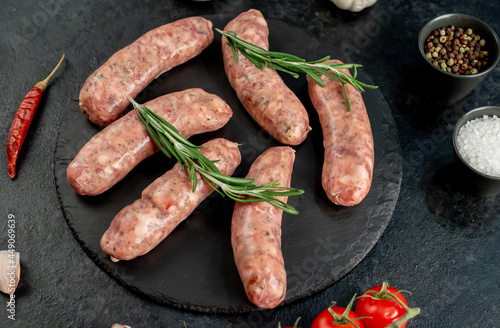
(456, 50)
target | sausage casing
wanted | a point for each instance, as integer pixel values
(103, 97)
(256, 232)
(262, 92)
(117, 149)
(348, 141)
(165, 203)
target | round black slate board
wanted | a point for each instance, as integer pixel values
(194, 268)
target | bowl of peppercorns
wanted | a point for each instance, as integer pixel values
(459, 50)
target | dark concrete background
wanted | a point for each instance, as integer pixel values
(441, 244)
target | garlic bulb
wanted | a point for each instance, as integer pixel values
(117, 325)
(353, 5)
(10, 273)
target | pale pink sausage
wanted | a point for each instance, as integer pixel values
(112, 153)
(141, 226)
(262, 92)
(103, 97)
(256, 232)
(348, 141)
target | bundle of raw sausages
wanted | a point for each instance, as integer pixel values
(347, 170)
(348, 140)
(123, 144)
(256, 227)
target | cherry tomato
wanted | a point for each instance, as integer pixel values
(384, 306)
(336, 316)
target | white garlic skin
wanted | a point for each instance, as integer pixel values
(10, 271)
(353, 5)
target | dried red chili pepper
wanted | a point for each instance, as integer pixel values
(22, 121)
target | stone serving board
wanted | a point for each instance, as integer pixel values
(193, 268)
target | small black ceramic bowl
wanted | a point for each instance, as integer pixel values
(452, 86)
(475, 181)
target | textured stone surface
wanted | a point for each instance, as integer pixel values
(440, 244)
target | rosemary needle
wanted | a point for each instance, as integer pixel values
(172, 144)
(293, 65)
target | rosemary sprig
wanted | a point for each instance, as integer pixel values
(293, 65)
(172, 144)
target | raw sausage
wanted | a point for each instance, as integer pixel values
(348, 141)
(256, 232)
(262, 92)
(104, 95)
(119, 147)
(141, 226)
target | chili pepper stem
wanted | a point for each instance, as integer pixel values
(42, 85)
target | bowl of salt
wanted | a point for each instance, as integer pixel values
(476, 141)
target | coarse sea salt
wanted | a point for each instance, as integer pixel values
(478, 142)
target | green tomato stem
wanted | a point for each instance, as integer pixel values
(384, 294)
(344, 318)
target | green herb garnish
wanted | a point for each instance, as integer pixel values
(293, 65)
(172, 144)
